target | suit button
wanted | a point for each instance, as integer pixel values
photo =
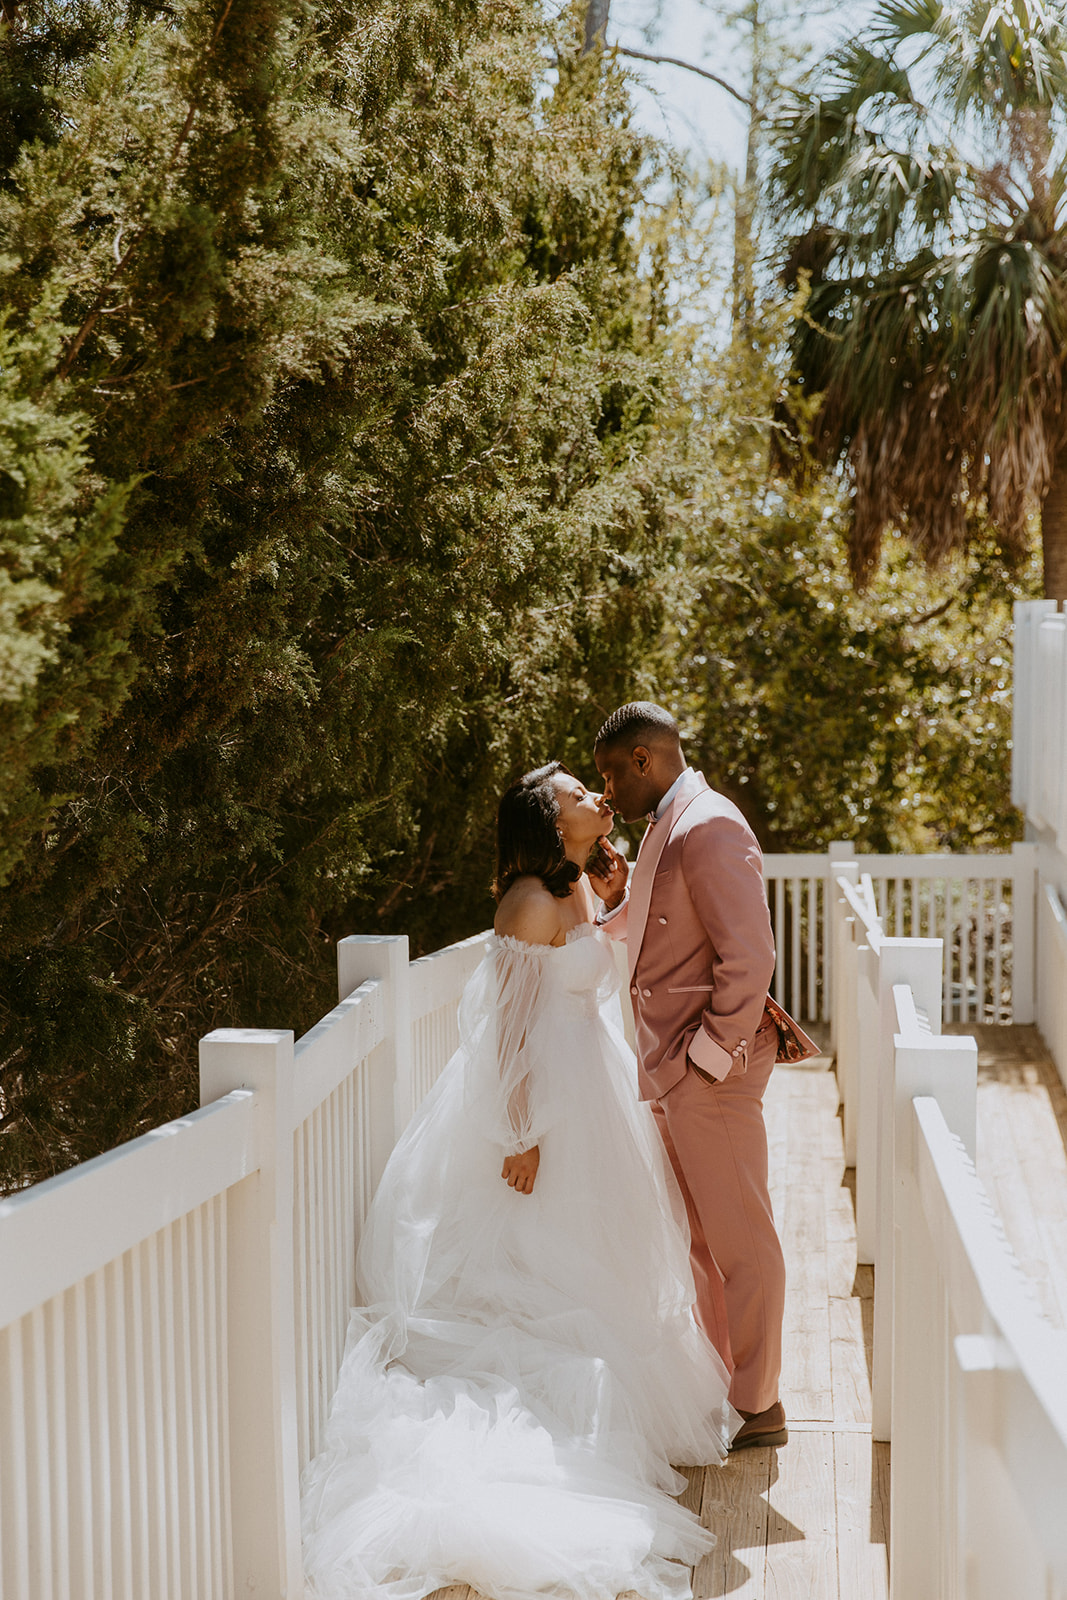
(647, 993)
(743, 1045)
(664, 921)
(633, 988)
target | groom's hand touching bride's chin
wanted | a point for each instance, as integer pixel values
(607, 871)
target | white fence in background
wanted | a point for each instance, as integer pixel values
(981, 906)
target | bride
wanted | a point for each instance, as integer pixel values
(525, 1365)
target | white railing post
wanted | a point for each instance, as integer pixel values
(262, 1428)
(838, 852)
(1026, 753)
(868, 1056)
(917, 963)
(1023, 932)
(1052, 974)
(923, 1533)
(384, 957)
(844, 1022)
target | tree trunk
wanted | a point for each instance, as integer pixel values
(744, 293)
(596, 25)
(1054, 530)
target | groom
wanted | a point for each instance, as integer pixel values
(701, 956)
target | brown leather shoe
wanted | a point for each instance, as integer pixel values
(765, 1428)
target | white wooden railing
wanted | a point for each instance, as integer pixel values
(1039, 789)
(969, 1382)
(173, 1314)
(981, 906)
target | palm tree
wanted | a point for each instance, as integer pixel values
(925, 169)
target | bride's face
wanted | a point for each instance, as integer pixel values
(583, 816)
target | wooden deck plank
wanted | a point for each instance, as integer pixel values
(848, 1364)
(735, 1508)
(802, 1526)
(807, 1173)
(692, 1496)
(862, 1555)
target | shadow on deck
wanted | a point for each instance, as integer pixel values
(812, 1520)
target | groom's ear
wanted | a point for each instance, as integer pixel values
(641, 756)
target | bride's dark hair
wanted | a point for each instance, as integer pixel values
(528, 840)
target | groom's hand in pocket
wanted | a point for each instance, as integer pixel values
(607, 872)
(520, 1171)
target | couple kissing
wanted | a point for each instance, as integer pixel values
(532, 1360)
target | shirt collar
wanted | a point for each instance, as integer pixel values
(661, 809)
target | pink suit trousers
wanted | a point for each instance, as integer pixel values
(701, 957)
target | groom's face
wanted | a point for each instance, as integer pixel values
(629, 786)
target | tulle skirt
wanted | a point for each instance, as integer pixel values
(525, 1368)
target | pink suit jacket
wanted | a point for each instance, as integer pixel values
(699, 941)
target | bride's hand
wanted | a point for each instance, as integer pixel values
(607, 873)
(520, 1171)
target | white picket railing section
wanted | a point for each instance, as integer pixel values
(981, 906)
(980, 1431)
(115, 1438)
(435, 983)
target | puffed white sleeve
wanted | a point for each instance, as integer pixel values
(499, 1031)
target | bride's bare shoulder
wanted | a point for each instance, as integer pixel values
(529, 912)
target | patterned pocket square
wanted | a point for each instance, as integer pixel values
(793, 1042)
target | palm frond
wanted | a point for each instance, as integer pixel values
(935, 331)
(855, 75)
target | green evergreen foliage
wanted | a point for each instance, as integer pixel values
(332, 491)
(884, 716)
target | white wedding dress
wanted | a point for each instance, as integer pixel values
(524, 1368)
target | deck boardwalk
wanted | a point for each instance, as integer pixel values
(809, 1520)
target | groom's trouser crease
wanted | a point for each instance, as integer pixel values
(810, 1519)
(716, 1139)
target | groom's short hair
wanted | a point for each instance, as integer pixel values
(635, 723)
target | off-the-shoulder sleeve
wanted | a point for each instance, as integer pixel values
(499, 1018)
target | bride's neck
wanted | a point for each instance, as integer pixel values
(578, 853)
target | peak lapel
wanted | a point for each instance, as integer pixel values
(647, 862)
